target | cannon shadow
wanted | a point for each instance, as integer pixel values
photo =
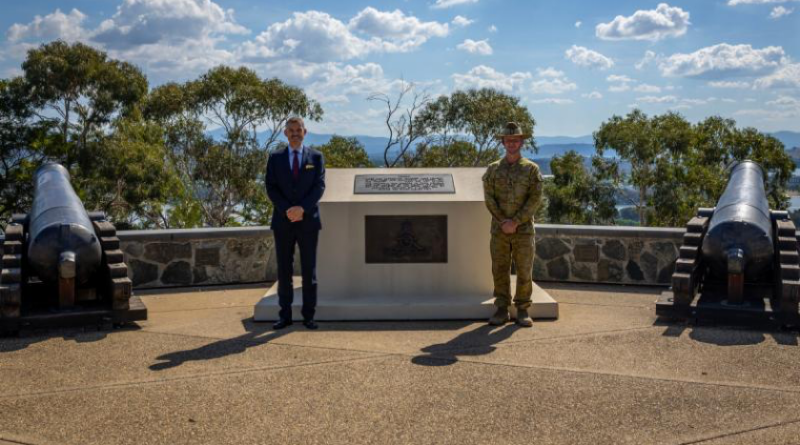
(82, 334)
(722, 335)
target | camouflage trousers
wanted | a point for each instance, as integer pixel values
(520, 248)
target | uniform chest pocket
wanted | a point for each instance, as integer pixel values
(520, 184)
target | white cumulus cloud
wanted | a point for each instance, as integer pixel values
(785, 102)
(585, 57)
(332, 82)
(56, 25)
(655, 24)
(147, 22)
(733, 84)
(578, 24)
(553, 101)
(462, 21)
(648, 58)
(619, 78)
(787, 76)
(646, 88)
(780, 11)
(483, 76)
(593, 95)
(621, 83)
(552, 81)
(442, 4)
(492, 28)
(400, 29)
(481, 47)
(315, 36)
(657, 99)
(721, 60)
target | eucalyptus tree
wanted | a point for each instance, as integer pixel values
(223, 173)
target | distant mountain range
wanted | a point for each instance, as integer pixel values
(549, 146)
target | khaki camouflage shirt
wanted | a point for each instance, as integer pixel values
(512, 191)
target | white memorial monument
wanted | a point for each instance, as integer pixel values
(403, 244)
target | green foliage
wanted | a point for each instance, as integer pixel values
(19, 158)
(455, 154)
(719, 143)
(84, 89)
(678, 167)
(656, 148)
(575, 196)
(473, 116)
(223, 179)
(74, 106)
(133, 187)
(342, 152)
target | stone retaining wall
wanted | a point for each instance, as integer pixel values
(606, 254)
(172, 258)
(592, 254)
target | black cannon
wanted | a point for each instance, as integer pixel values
(62, 265)
(739, 261)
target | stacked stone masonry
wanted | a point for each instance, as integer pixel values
(193, 257)
(591, 254)
(606, 254)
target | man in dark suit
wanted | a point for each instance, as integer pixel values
(295, 184)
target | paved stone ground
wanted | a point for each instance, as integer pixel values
(200, 371)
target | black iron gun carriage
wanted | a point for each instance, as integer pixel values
(62, 266)
(739, 261)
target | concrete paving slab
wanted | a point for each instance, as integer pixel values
(775, 434)
(183, 299)
(395, 400)
(603, 294)
(399, 337)
(85, 359)
(692, 354)
(412, 337)
(445, 306)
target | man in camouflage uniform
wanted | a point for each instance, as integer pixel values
(512, 190)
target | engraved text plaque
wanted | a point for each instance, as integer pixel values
(404, 184)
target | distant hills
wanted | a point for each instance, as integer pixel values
(790, 139)
(549, 146)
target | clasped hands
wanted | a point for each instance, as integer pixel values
(509, 227)
(295, 214)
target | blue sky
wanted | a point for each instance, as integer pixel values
(573, 63)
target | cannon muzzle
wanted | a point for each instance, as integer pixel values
(62, 239)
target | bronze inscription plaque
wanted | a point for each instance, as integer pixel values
(404, 184)
(395, 239)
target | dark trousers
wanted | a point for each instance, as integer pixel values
(285, 240)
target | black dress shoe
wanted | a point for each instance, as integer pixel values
(282, 323)
(310, 324)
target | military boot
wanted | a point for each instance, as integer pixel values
(523, 319)
(500, 317)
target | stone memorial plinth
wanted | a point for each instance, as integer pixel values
(403, 244)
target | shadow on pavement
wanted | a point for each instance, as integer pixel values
(83, 334)
(729, 335)
(257, 334)
(479, 341)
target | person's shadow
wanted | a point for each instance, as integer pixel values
(479, 341)
(256, 335)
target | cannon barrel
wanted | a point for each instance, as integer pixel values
(62, 242)
(739, 237)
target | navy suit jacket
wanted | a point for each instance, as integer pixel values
(285, 192)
